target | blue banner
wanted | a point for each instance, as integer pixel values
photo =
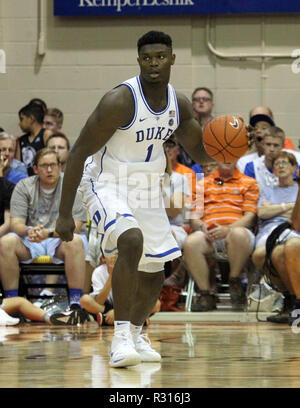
(171, 7)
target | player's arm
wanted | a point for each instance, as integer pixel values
(189, 132)
(115, 109)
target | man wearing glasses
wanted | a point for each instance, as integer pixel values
(33, 213)
(202, 102)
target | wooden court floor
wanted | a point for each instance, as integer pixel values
(194, 355)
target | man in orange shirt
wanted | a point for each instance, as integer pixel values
(221, 226)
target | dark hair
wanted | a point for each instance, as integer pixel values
(203, 88)
(39, 102)
(59, 134)
(33, 109)
(43, 152)
(154, 37)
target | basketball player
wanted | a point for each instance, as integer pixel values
(123, 136)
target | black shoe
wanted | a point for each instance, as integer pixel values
(73, 316)
(206, 302)
(283, 317)
(295, 314)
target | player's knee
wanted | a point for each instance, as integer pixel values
(131, 242)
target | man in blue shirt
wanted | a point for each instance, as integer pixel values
(13, 170)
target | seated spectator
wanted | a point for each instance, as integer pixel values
(53, 119)
(13, 170)
(92, 258)
(6, 189)
(223, 225)
(175, 189)
(172, 150)
(261, 168)
(31, 121)
(206, 169)
(275, 207)
(263, 110)
(21, 305)
(59, 142)
(33, 212)
(100, 301)
(257, 135)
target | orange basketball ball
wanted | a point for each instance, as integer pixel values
(225, 138)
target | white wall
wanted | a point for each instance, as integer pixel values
(86, 56)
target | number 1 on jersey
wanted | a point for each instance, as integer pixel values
(150, 148)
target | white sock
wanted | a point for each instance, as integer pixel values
(122, 326)
(135, 331)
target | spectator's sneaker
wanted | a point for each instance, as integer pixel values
(99, 319)
(7, 320)
(146, 352)
(122, 352)
(73, 316)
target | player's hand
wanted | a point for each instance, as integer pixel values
(65, 227)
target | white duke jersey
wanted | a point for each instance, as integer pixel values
(138, 145)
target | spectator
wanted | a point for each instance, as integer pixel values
(13, 170)
(6, 189)
(176, 191)
(39, 102)
(31, 121)
(21, 305)
(230, 200)
(261, 168)
(202, 102)
(263, 110)
(275, 206)
(59, 142)
(100, 301)
(206, 169)
(34, 209)
(260, 124)
(53, 119)
(172, 150)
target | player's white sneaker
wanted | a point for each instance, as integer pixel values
(122, 352)
(146, 352)
(7, 320)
